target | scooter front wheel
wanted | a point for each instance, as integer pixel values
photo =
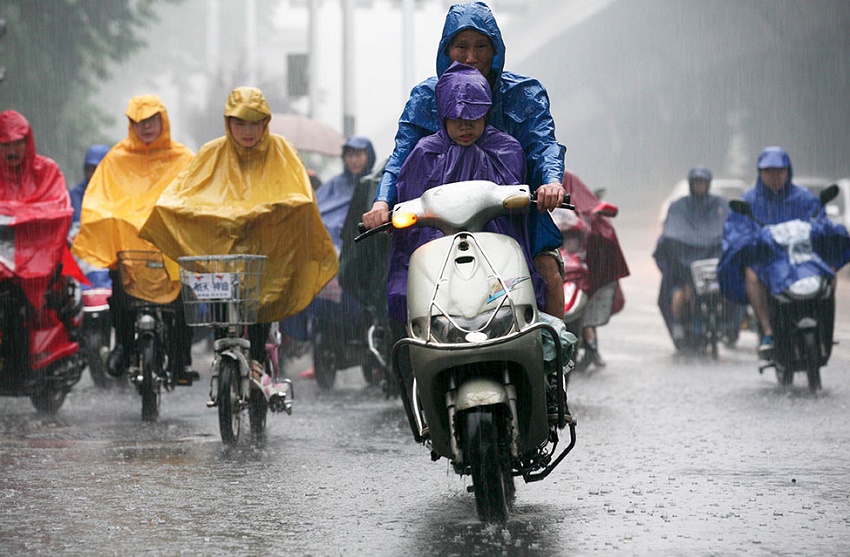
(486, 451)
(47, 400)
(149, 387)
(229, 410)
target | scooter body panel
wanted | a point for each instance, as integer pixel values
(520, 354)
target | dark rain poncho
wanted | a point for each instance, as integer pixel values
(520, 109)
(436, 160)
(693, 230)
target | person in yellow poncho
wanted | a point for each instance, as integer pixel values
(248, 192)
(119, 198)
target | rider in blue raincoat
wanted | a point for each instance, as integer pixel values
(747, 265)
(520, 108)
(334, 196)
(98, 278)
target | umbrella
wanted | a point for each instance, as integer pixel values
(306, 134)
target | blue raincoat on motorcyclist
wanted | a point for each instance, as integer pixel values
(520, 108)
(743, 245)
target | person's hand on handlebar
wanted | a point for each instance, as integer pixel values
(378, 215)
(550, 196)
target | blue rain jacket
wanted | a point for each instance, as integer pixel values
(334, 196)
(746, 244)
(94, 155)
(520, 109)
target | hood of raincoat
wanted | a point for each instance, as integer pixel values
(462, 93)
(478, 17)
(232, 200)
(363, 144)
(125, 187)
(94, 155)
(36, 179)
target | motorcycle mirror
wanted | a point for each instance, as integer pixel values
(741, 207)
(606, 209)
(828, 194)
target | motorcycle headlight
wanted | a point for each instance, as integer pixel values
(460, 330)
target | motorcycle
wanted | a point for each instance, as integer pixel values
(473, 378)
(39, 306)
(803, 313)
(578, 287)
(152, 296)
(96, 330)
(337, 323)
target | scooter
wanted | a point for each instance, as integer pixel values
(473, 378)
(803, 314)
(40, 312)
(577, 285)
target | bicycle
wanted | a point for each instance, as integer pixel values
(222, 292)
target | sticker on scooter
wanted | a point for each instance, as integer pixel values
(511, 284)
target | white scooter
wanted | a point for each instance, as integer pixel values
(475, 382)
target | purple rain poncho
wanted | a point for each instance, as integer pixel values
(461, 92)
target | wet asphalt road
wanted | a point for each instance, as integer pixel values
(675, 456)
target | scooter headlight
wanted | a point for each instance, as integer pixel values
(462, 330)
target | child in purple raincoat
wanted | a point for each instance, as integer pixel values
(465, 148)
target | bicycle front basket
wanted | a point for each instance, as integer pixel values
(221, 290)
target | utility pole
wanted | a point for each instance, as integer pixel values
(407, 7)
(348, 70)
(313, 56)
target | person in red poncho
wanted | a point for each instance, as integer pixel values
(35, 214)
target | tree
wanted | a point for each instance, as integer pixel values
(56, 53)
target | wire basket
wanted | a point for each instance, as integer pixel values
(144, 277)
(221, 290)
(704, 274)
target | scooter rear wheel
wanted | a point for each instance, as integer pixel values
(258, 409)
(812, 359)
(324, 361)
(94, 359)
(486, 453)
(229, 412)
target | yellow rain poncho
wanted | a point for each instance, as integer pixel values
(232, 200)
(123, 190)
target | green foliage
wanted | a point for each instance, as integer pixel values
(56, 53)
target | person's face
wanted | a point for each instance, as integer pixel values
(774, 178)
(12, 153)
(149, 129)
(473, 49)
(465, 132)
(700, 187)
(246, 133)
(355, 160)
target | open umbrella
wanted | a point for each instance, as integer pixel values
(307, 134)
